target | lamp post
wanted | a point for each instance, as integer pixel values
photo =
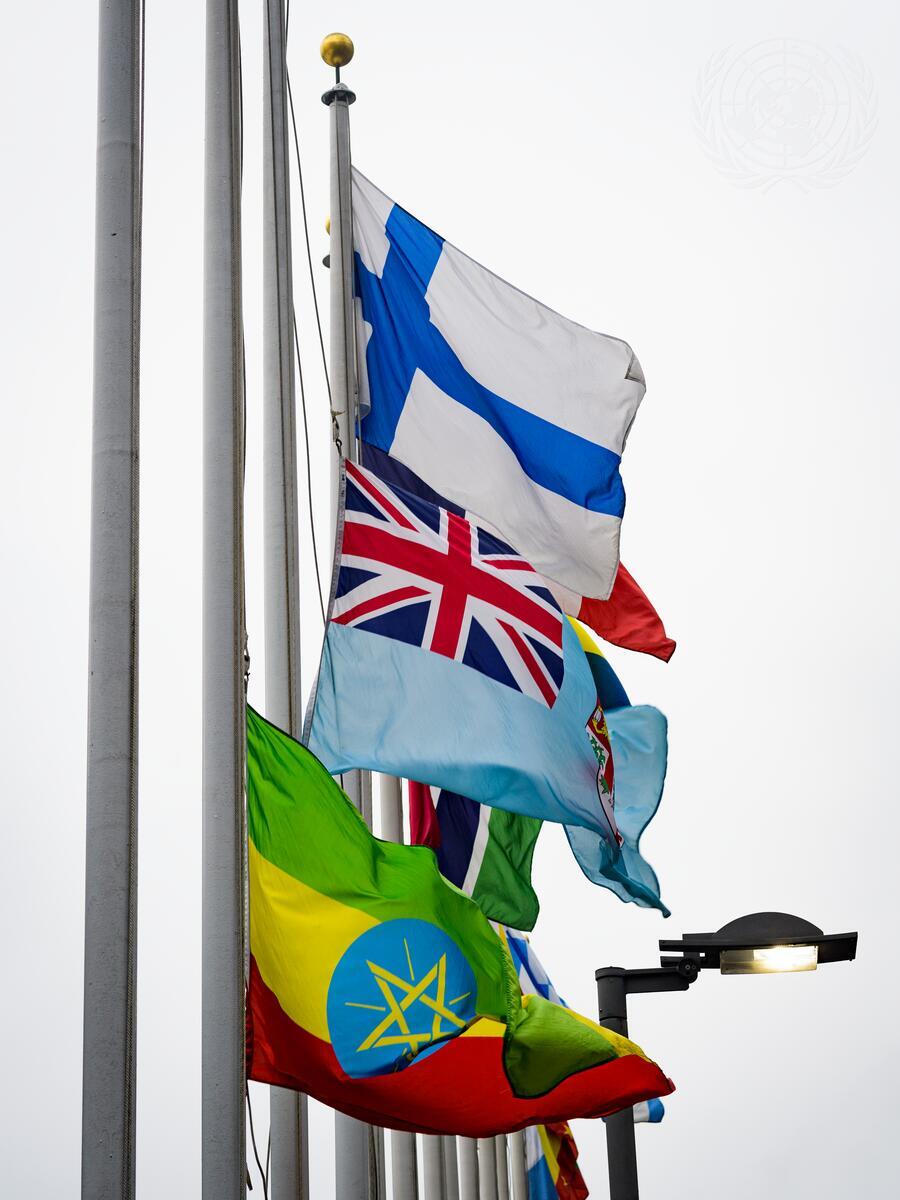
(758, 944)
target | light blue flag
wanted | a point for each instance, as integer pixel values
(638, 737)
(447, 661)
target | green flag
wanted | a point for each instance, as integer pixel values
(486, 852)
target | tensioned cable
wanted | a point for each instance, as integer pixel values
(309, 261)
(312, 524)
(264, 1175)
(315, 299)
(312, 278)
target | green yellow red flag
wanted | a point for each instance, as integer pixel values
(381, 989)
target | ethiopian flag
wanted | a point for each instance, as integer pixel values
(381, 989)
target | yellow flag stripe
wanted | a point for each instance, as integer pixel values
(485, 1027)
(286, 915)
(586, 637)
(549, 1152)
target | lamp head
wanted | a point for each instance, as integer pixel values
(762, 944)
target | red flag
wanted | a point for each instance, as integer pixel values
(627, 619)
(570, 1183)
(424, 827)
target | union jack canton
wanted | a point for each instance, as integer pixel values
(415, 572)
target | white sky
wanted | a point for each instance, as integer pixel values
(555, 143)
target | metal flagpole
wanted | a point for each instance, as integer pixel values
(355, 1144)
(518, 1165)
(391, 793)
(502, 1167)
(467, 1149)
(288, 1110)
(433, 1159)
(487, 1169)
(404, 1176)
(110, 927)
(451, 1172)
(223, 1152)
(404, 1166)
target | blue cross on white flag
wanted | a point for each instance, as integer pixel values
(499, 403)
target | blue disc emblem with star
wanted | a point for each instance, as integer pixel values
(399, 990)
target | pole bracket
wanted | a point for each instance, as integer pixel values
(674, 976)
(340, 94)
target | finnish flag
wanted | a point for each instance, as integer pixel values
(500, 404)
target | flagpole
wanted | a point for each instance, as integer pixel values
(222, 1040)
(502, 1167)
(518, 1165)
(110, 925)
(288, 1117)
(467, 1149)
(354, 1142)
(451, 1171)
(404, 1164)
(391, 796)
(433, 1159)
(487, 1169)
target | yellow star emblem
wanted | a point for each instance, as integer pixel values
(400, 996)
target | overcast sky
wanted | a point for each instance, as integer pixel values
(626, 164)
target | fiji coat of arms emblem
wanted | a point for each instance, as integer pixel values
(598, 733)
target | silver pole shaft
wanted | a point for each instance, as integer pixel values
(110, 928)
(222, 1042)
(433, 1159)
(288, 1120)
(467, 1149)
(404, 1178)
(451, 1172)
(354, 1177)
(391, 808)
(502, 1167)
(404, 1166)
(518, 1165)
(487, 1169)
(351, 1157)
(342, 358)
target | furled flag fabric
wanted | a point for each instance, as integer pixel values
(626, 619)
(550, 1150)
(486, 852)
(533, 979)
(501, 404)
(383, 991)
(651, 1111)
(551, 1157)
(639, 739)
(647, 1112)
(447, 660)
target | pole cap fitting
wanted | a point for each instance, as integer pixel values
(336, 50)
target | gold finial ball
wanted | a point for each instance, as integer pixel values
(328, 224)
(336, 50)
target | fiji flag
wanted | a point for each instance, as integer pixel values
(447, 660)
(502, 405)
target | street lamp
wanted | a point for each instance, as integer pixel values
(759, 944)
